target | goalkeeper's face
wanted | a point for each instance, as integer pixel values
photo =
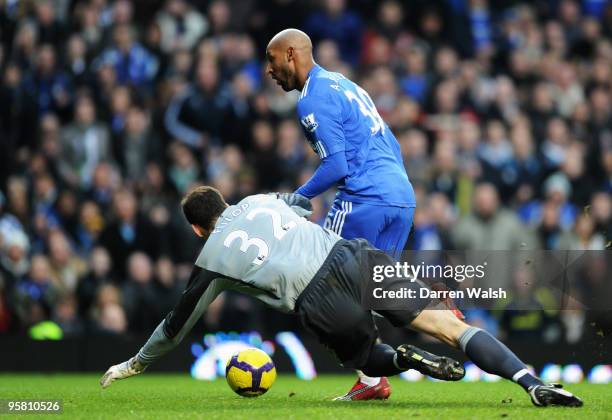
(281, 67)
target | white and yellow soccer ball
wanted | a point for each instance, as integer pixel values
(250, 373)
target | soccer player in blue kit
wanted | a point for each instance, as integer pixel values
(358, 153)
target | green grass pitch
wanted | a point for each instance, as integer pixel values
(157, 396)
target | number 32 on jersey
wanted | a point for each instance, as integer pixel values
(278, 229)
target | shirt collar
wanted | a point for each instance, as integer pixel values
(314, 70)
(225, 213)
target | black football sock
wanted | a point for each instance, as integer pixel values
(381, 361)
(492, 356)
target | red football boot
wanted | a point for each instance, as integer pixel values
(361, 391)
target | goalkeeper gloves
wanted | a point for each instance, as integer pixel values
(121, 371)
(298, 203)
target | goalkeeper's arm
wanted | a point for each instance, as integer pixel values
(203, 287)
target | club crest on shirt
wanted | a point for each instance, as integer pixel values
(309, 123)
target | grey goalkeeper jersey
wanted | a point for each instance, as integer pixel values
(262, 246)
(267, 248)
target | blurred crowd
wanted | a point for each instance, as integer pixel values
(110, 110)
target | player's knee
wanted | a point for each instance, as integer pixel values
(449, 328)
(455, 329)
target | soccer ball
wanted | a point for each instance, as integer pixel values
(250, 373)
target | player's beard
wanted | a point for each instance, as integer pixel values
(285, 79)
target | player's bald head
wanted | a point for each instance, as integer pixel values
(289, 55)
(291, 38)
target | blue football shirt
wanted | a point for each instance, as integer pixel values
(338, 116)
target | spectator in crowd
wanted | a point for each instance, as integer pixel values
(601, 210)
(89, 227)
(184, 169)
(137, 145)
(414, 146)
(388, 28)
(66, 207)
(220, 15)
(66, 315)
(443, 216)
(490, 226)
(48, 84)
(66, 267)
(156, 188)
(9, 224)
(444, 173)
(557, 190)
(530, 312)
(132, 63)
(524, 170)
(264, 156)
(25, 43)
(77, 61)
(112, 320)
(14, 259)
(120, 102)
(45, 196)
(89, 27)
(35, 294)
(197, 115)
(584, 236)
(290, 151)
(107, 314)
(17, 111)
(50, 142)
(50, 29)
(495, 154)
(84, 143)
(129, 232)
(425, 235)
(554, 147)
(181, 26)
(549, 231)
(104, 183)
(416, 81)
(17, 200)
(334, 21)
(141, 301)
(168, 286)
(99, 274)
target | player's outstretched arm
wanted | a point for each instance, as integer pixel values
(332, 169)
(203, 287)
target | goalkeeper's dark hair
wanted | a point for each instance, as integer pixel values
(202, 205)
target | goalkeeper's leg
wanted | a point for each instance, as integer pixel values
(368, 387)
(490, 355)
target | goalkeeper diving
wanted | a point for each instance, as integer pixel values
(264, 247)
